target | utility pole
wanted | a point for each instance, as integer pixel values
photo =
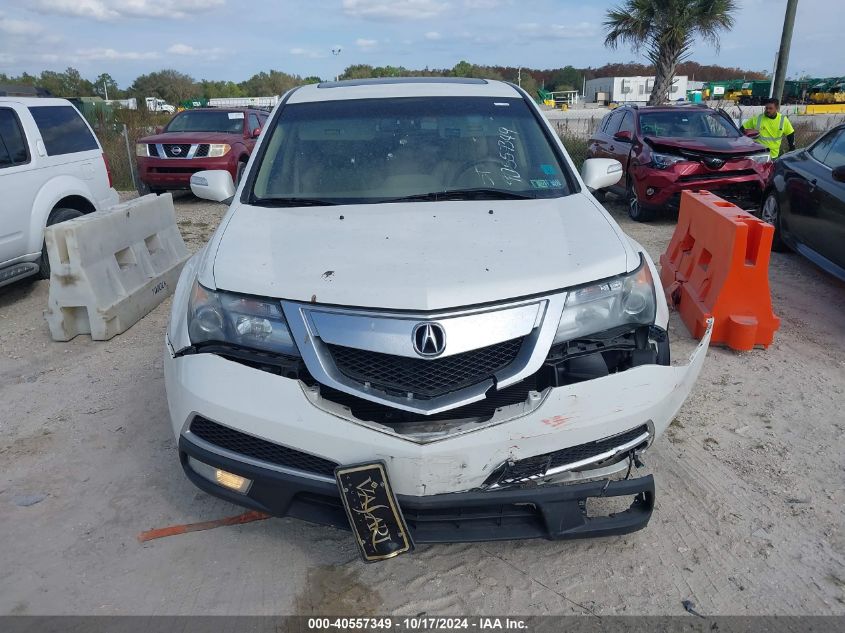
(783, 52)
(519, 76)
(106, 89)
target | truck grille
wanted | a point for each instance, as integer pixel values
(536, 467)
(202, 151)
(170, 150)
(262, 450)
(424, 378)
(152, 150)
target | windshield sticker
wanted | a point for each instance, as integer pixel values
(507, 152)
(540, 184)
(549, 170)
(236, 115)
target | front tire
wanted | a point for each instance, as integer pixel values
(56, 216)
(771, 214)
(635, 210)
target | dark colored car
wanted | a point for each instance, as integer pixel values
(666, 149)
(806, 202)
(195, 140)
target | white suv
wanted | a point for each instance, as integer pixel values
(52, 169)
(416, 321)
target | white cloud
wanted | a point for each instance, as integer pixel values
(365, 43)
(96, 54)
(189, 51)
(433, 35)
(307, 52)
(106, 10)
(19, 27)
(482, 4)
(395, 9)
(559, 31)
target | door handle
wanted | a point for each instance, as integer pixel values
(813, 184)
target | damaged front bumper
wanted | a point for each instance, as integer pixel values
(275, 433)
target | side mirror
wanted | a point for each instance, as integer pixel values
(213, 184)
(839, 174)
(598, 173)
(256, 132)
(751, 133)
(623, 136)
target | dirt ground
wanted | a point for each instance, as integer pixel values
(749, 518)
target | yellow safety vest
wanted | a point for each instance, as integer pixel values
(771, 131)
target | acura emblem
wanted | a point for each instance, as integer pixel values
(429, 339)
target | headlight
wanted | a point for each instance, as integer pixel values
(141, 149)
(663, 161)
(761, 158)
(225, 317)
(218, 149)
(624, 300)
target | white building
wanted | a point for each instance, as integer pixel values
(630, 89)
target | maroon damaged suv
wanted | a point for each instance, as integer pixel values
(666, 149)
(194, 140)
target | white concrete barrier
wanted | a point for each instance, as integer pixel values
(110, 268)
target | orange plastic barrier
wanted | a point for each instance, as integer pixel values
(717, 264)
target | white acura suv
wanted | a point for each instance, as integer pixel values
(416, 321)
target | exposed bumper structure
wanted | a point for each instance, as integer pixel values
(659, 188)
(276, 409)
(551, 511)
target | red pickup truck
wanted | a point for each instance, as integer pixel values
(194, 140)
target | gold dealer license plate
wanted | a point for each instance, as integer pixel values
(374, 514)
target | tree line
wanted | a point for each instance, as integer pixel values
(174, 86)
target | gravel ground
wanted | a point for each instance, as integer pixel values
(749, 517)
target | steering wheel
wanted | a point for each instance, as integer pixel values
(485, 182)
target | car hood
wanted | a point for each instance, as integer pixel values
(420, 256)
(740, 145)
(190, 137)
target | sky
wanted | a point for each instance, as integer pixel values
(234, 39)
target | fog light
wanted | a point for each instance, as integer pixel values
(221, 477)
(650, 191)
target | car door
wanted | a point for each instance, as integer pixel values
(18, 182)
(830, 241)
(802, 173)
(622, 141)
(603, 138)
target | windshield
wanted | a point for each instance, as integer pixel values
(687, 123)
(381, 150)
(204, 121)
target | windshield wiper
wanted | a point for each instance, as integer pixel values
(464, 194)
(292, 202)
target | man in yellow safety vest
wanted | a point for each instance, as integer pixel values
(772, 126)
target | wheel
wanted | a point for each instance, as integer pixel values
(240, 172)
(57, 215)
(771, 214)
(635, 209)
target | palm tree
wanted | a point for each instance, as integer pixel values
(667, 29)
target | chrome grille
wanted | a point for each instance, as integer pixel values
(202, 151)
(170, 150)
(422, 377)
(152, 150)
